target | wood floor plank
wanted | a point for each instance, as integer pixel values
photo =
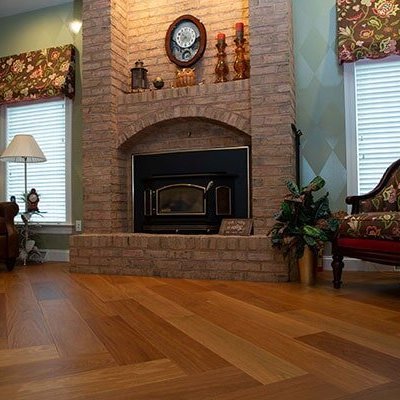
(70, 332)
(384, 296)
(225, 303)
(321, 299)
(125, 344)
(380, 363)
(390, 391)
(25, 322)
(46, 291)
(2, 283)
(166, 308)
(190, 355)
(3, 317)
(184, 284)
(196, 387)
(258, 363)
(81, 297)
(27, 354)
(103, 289)
(82, 385)
(267, 303)
(306, 387)
(309, 359)
(374, 340)
(36, 273)
(41, 369)
(139, 281)
(368, 316)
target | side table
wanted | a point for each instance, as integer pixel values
(28, 251)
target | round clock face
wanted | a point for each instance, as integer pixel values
(185, 41)
(185, 37)
(32, 197)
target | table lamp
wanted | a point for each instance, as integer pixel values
(23, 149)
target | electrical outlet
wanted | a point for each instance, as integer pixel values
(78, 225)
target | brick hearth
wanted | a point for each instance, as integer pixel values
(256, 112)
(178, 256)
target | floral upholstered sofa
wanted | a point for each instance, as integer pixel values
(372, 231)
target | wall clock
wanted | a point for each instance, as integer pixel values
(185, 41)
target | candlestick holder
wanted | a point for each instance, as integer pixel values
(221, 69)
(240, 65)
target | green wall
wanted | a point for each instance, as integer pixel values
(320, 97)
(37, 30)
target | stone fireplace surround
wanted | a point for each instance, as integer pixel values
(256, 112)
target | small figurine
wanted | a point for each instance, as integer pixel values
(158, 82)
(185, 77)
(32, 200)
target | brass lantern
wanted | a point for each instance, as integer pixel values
(139, 76)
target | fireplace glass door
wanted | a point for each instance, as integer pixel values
(181, 199)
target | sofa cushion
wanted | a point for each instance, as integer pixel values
(371, 245)
(372, 225)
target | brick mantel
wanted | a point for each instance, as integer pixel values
(201, 101)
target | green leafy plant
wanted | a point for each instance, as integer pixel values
(303, 220)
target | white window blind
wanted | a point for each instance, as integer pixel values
(377, 103)
(46, 122)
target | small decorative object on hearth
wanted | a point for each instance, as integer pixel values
(158, 83)
(240, 65)
(185, 77)
(236, 227)
(221, 69)
(139, 76)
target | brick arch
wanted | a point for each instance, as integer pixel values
(219, 115)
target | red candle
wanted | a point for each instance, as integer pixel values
(239, 26)
(221, 36)
(239, 30)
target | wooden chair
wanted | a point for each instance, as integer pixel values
(8, 234)
(372, 231)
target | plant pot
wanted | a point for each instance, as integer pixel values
(306, 264)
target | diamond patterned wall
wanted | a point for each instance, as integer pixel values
(320, 97)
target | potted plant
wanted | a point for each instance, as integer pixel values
(303, 223)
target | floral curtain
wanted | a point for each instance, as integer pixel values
(368, 29)
(38, 74)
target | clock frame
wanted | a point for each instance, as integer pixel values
(169, 40)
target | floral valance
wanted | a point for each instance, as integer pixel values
(368, 29)
(38, 74)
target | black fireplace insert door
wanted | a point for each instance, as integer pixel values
(190, 192)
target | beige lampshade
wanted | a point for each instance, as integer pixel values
(23, 148)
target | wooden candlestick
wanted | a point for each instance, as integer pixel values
(221, 69)
(240, 65)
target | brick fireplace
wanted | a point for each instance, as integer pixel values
(254, 113)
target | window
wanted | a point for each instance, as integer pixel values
(372, 95)
(49, 123)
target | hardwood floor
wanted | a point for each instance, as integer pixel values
(73, 336)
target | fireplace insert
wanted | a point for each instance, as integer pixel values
(191, 191)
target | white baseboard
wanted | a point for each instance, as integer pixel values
(354, 264)
(56, 255)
